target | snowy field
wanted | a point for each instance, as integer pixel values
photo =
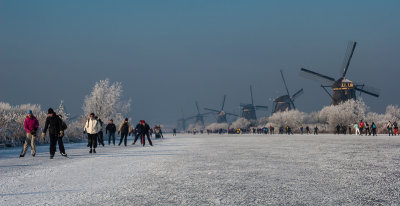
(210, 170)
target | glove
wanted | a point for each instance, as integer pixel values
(43, 136)
(61, 134)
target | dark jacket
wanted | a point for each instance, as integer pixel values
(144, 129)
(138, 129)
(53, 124)
(111, 128)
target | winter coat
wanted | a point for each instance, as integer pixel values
(31, 124)
(126, 129)
(144, 129)
(356, 126)
(54, 124)
(111, 128)
(92, 126)
(389, 125)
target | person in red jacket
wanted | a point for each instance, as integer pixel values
(31, 125)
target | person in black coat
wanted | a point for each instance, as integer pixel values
(144, 131)
(111, 129)
(138, 132)
(56, 133)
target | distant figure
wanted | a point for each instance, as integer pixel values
(174, 132)
(145, 129)
(389, 127)
(124, 130)
(338, 129)
(100, 134)
(367, 131)
(301, 129)
(111, 129)
(308, 129)
(373, 126)
(315, 130)
(356, 127)
(31, 124)
(361, 127)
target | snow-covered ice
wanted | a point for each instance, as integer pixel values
(210, 170)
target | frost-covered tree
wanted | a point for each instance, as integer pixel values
(291, 118)
(61, 111)
(105, 101)
(346, 113)
(240, 123)
(217, 126)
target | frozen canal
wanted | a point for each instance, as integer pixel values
(210, 170)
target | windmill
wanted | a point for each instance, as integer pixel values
(249, 110)
(221, 114)
(286, 102)
(343, 89)
(199, 117)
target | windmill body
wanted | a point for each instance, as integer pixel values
(249, 110)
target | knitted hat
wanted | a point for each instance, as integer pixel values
(29, 112)
(50, 111)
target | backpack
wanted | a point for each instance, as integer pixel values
(63, 125)
(374, 126)
(125, 127)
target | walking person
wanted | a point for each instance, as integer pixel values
(145, 129)
(92, 127)
(56, 132)
(174, 132)
(356, 127)
(367, 131)
(315, 130)
(124, 130)
(111, 129)
(373, 126)
(361, 127)
(308, 129)
(31, 124)
(389, 127)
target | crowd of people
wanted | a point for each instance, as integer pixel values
(55, 126)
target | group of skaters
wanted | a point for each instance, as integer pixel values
(93, 128)
(54, 124)
(392, 128)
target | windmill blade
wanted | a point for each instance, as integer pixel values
(198, 108)
(347, 58)
(231, 114)
(261, 107)
(297, 94)
(223, 103)
(367, 90)
(317, 76)
(251, 93)
(284, 82)
(212, 110)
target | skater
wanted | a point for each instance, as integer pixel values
(357, 129)
(338, 129)
(308, 129)
(100, 134)
(367, 131)
(361, 127)
(145, 129)
(92, 128)
(315, 130)
(389, 127)
(301, 129)
(31, 125)
(55, 126)
(111, 129)
(137, 133)
(124, 130)
(373, 126)
(396, 128)
(174, 132)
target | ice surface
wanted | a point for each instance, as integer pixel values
(210, 170)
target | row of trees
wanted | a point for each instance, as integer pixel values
(105, 100)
